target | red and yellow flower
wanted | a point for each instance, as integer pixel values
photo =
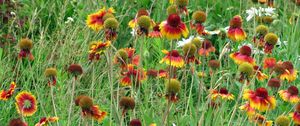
(97, 48)
(6, 94)
(222, 93)
(259, 99)
(244, 55)
(155, 33)
(206, 48)
(126, 56)
(247, 108)
(133, 76)
(95, 21)
(290, 95)
(26, 103)
(133, 23)
(296, 115)
(173, 58)
(199, 17)
(259, 74)
(173, 28)
(235, 31)
(46, 120)
(96, 113)
(269, 62)
(260, 120)
(289, 73)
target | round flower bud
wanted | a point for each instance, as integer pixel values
(271, 38)
(282, 121)
(274, 83)
(199, 16)
(111, 23)
(214, 64)
(108, 15)
(50, 72)
(172, 86)
(25, 43)
(172, 10)
(75, 69)
(262, 30)
(127, 103)
(197, 42)
(144, 22)
(189, 49)
(246, 68)
(181, 3)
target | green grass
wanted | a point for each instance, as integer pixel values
(58, 44)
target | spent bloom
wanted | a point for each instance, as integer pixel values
(172, 89)
(51, 75)
(98, 48)
(25, 46)
(199, 17)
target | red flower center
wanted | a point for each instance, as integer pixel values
(293, 90)
(274, 83)
(245, 50)
(156, 28)
(261, 92)
(206, 44)
(174, 53)
(288, 65)
(236, 22)
(223, 91)
(174, 20)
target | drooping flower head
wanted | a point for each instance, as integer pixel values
(126, 56)
(282, 121)
(259, 99)
(206, 48)
(235, 31)
(155, 33)
(96, 20)
(26, 103)
(260, 31)
(173, 28)
(259, 74)
(172, 58)
(244, 55)
(126, 103)
(6, 94)
(25, 46)
(214, 64)
(110, 27)
(271, 40)
(51, 74)
(133, 76)
(46, 120)
(135, 122)
(274, 83)
(199, 17)
(75, 70)
(98, 48)
(172, 89)
(17, 122)
(288, 72)
(290, 95)
(221, 93)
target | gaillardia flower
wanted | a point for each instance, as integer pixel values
(296, 115)
(246, 71)
(26, 103)
(235, 31)
(222, 93)
(25, 46)
(214, 64)
(282, 121)
(96, 20)
(289, 73)
(181, 4)
(46, 120)
(247, 108)
(190, 50)
(126, 56)
(261, 31)
(133, 76)
(173, 28)
(274, 83)
(269, 62)
(51, 74)
(259, 74)
(97, 48)
(110, 26)
(199, 17)
(173, 58)
(259, 99)
(135, 122)
(141, 12)
(6, 94)
(206, 48)
(271, 40)
(172, 89)
(126, 103)
(290, 95)
(244, 55)
(144, 25)
(75, 70)
(260, 120)
(17, 122)
(155, 33)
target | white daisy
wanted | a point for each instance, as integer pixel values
(188, 40)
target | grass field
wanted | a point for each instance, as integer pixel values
(61, 37)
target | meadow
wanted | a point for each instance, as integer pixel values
(149, 62)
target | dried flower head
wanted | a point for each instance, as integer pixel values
(75, 69)
(271, 38)
(199, 16)
(267, 19)
(50, 72)
(135, 122)
(189, 49)
(246, 68)
(197, 42)
(282, 121)
(172, 10)
(127, 103)
(214, 64)
(181, 3)
(172, 86)
(236, 21)
(25, 44)
(17, 122)
(84, 102)
(262, 30)
(274, 83)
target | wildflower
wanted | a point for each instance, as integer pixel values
(269, 62)
(172, 9)
(189, 53)
(173, 58)
(135, 122)
(290, 95)
(144, 25)
(96, 20)
(133, 76)
(75, 70)
(259, 74)
(271, 40)
(214, 64)
(260, 120)
(246, 107)
(46, 120)
(206, 48)
(222, 93)
(181, 4)
(259, 12)
(51, 74)
(274, 83)
(97, 48)
(246, 70)
(173, 28)
(6, 94)
(197, 42)
(26, 103)
(126, 103)
(25, 45)
(172, 89)
(259, 99)
(126, 56)
(289, 73)
(296, 115)
(155, 33)
(162, 74)
(199, 17)
(261, 31)
(17, 122)
(282, 121)
(244, 55)
(110, 26)
(235, 31)
(192, 39)
(141, 12)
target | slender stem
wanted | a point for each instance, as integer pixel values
(53, 103)
(166, 114)
(71, 101)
